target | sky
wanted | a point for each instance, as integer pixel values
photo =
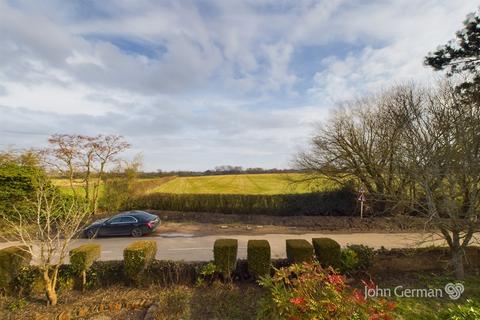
(197, 84)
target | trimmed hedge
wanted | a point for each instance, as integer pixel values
(225, 255)
(341, 202)
(299, 250)
(12, 259)
(81, 258)
(138, 256)
(328, 252)
(259, 258)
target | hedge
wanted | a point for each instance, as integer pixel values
(299, 250)
(327, 251)
(225, 255)
(12, 259)
(137, 257)
(259, 258)
(81, 259)
(341, 202)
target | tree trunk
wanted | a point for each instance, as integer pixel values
(50, 289)
(52, 296)
(84, 280)
(457, 263)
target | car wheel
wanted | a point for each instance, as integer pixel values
(137, 232)
(91, 234)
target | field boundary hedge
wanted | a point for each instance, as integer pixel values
(341, 202)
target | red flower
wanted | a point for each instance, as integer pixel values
(358, 297)
(297, 301)
(336, 279)
(391, 305)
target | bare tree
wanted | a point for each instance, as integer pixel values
(86, 157)
(415, 148)
(65, 153)
(361, 142)
(106, 148)
(47, 230)
(441, 154)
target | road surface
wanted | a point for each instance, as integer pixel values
(188, 247)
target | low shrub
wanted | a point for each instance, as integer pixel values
(81, 259)
(349, 260)
(225, 255)
(28, 281)
(137, 257)
(166, 273)
(12, 259)
(206, 274)
(365, 256)
(105, 273)
(327, 251)
(258, 256)
(309, 291)
(299, 250)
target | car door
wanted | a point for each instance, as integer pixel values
(126, 225)
(112, 227)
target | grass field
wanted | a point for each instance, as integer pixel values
(65, 187)
(268, 184)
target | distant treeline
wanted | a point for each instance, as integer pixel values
(341, 202)
(221, 170)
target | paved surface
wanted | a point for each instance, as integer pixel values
(178, 246)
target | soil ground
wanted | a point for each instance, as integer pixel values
(202, 223)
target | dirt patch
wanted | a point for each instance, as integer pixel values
(205, 229)
(216, 223)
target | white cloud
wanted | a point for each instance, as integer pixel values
(197, 84)
(401, 33)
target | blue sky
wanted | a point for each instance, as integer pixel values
(196, 84)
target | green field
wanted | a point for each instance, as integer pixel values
(274, 183)
(266, 184)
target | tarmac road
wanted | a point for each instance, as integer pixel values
(188, 247)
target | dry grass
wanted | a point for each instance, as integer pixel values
(218, 301)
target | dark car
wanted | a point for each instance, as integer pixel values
(133, 223)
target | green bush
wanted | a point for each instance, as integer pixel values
(365, 256)
(225, 255)
(18, 183)
(328, 252)
(28, 281)
(81, 258)
(258, 256)
(105, 273)
(349, 260)
(12, 259)
(299, 250)
(138, 256)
